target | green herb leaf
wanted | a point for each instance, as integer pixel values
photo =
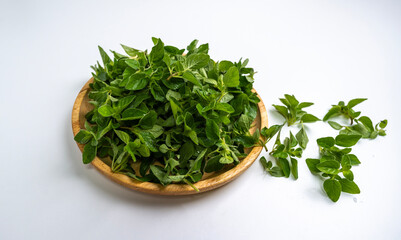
(131, 148)
(83, 136)
(282, 110)
(157, 92)
(265, 164)
(213, 165)
(123, 136)
(212, 130)
(312, 164)
(346, 162)
(276, 172)
(106, 111)
(335, 110)
(326, 142)
(352, 103)
(231, 77)
(271, 131)
(225, 65)
(349, 186)
(333, 189)
(304, 105)
(354, 160)
(367, 123)
(187, 151)
(226, 159)
(329, 167)
(160, 174)
(132, 114)
(149, 120)
(157, 52)
(137, 81)
(294, 168)
(105, 57)
(124, 102)
(130, 51)
(348, 175)
(225, 107)
(308, 118)
(347, 140)
(196, 61)
(335, 125)
(189, 76)
(383, 123)
(133, 63)
(293, 102)
(285, 166)
(89, 153)
(302, 138)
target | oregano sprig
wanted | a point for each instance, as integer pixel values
(345, 110)
(293, 111)
(335, 163)
(286, 153)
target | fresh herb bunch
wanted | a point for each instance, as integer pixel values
(170, 114)
(285, 153)
(334, 160)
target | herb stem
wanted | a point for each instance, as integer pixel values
(190, 184)
(222, 95)
(172, 75)
(264, 146)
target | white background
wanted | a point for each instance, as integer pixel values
(321, 51)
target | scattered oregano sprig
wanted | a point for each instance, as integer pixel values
(286, 153)
(169, 115)
(335, 161)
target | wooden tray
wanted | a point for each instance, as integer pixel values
(208, 182)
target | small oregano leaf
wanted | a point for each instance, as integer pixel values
(347, 140)
(333, 189)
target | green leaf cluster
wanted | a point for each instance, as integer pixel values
(293, 111)
(362, 126)
(334, 164)
(286, 153)
(344, 110)
(359, 126)
(169, 115)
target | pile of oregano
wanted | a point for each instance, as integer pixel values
(169, 115)
(335, 153)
